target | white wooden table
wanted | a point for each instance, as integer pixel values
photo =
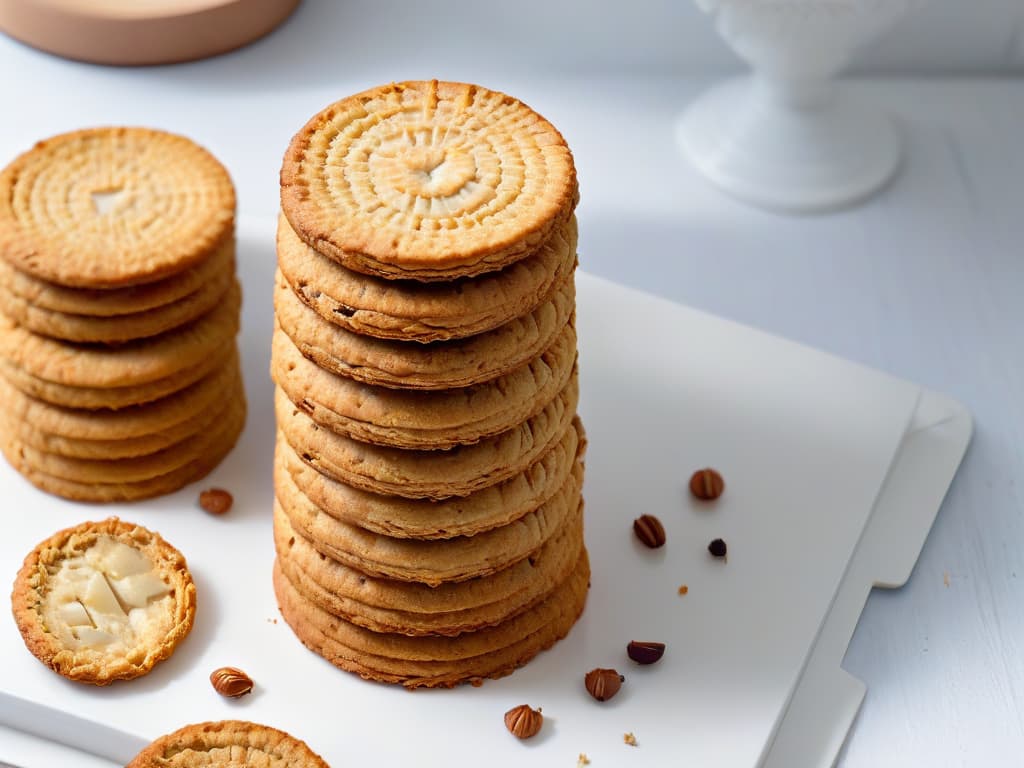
(925, 281)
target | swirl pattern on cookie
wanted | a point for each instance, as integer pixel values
(110, 207)
(427, 180)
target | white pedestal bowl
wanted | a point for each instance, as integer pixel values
(788, 137)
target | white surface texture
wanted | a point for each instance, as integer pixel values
(537, 37)
(758, 407)
(925, 281)
(787, 136)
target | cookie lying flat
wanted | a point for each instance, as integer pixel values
(115, 398)
(413, 311)
(127, 423)
(119, 328)
(132, 364)
(230, 744)
(400, 518)
(197, 424)
(229, 418)
(432, 561)
(103, 601)
(432, 662)
(110, 207)
(215, 449)
(385, 605)
(409, 365)
(457, 471)
(114, 302)
(427, 180)
(422, 419)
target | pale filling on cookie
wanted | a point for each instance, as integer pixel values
(108, 599)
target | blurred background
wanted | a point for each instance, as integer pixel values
(945, 37)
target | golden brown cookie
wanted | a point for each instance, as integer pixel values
(103, 601)
(143, 421)
(215, 447)
(427, 180)
(110, 207)
(457, 471)
(432, 662)
(112, 302)
(395, 517)
(116, 398)
(193, 425)
(413, 311)
(410, 365)
(229, 416)
(386, 605)
(428, 561)
(118, 328)
(227, 744)
(424, 420)
(139, 362)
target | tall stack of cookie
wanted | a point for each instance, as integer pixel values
(119, 372)
(429, 461)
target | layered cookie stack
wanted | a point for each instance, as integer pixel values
(429, 460)
(119, 373)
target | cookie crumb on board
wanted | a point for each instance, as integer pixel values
(582, 760)
(629, 738)
(683, 589)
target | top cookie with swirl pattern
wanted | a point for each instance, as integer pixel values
(427, 180)
(113, 207)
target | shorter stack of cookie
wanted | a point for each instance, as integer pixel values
(429, 465)
(119, 307)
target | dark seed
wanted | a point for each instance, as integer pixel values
(707, 484)
(717, 548)
(649, 530)
(643, 652)
(216, 501)
(602, 684)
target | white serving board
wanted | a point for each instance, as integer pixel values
(805, 441)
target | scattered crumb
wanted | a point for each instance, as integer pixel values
(271, 621)
(629, 738)
(582, 760)
(683, 589)
(945, 578)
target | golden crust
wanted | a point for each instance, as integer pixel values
(219, 743)
(430, 562)
(175, 205)
(113, 302)
(408, 608)
(141, 422)
(398, 518)
(428, 474)
(216, 448)
(118, 329)
(416, 419)
(139, 362)
(436, 662)
(413, 311)
(115, 398)
(427, 180)
(439, 365)
(30, 586)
